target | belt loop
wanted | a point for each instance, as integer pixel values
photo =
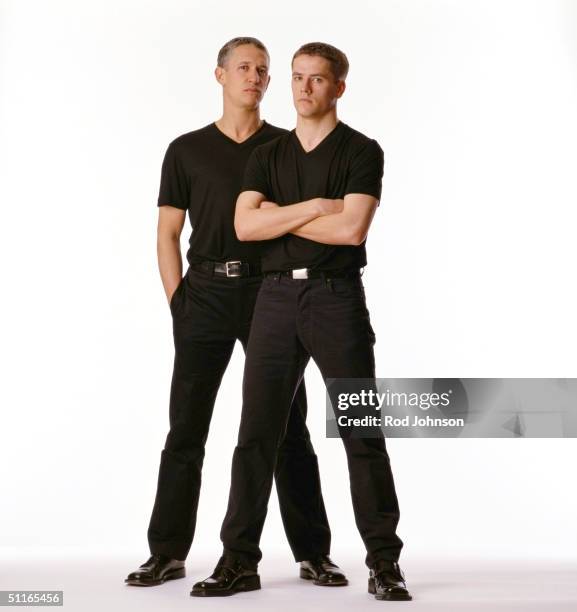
(328, 281)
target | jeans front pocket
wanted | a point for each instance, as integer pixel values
(346, 287)
(175, 296)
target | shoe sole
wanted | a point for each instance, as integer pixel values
(251, 583)
(172, 575)
(388, 596)
(306, 575)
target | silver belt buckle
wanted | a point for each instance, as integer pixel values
(232, 263)
(300, 273)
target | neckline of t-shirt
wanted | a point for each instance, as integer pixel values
(234, 142)
(321, 143)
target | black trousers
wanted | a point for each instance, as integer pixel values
(294, 320)
(209, 314)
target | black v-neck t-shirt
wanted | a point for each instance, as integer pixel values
(344, 162)
(202, 172)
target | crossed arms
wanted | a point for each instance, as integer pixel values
(344, 221)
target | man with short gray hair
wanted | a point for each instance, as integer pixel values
(211, 308)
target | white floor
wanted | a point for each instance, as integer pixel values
(465, 585)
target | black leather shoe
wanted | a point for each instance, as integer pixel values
(229, 577)
(156, 570)
(323, 572)
(387, 581)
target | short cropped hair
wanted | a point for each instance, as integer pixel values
(237, 42)
(337, 59)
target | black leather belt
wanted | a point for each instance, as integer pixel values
(311, 273)
(231, 269)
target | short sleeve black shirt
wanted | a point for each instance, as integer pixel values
(202, 172)
(346, 161)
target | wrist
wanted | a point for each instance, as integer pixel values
(317, 206)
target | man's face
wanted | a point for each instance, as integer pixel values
(245, 77)
(315, 90)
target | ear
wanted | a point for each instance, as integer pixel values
(341, 86)
(219, 74)
(267, 82)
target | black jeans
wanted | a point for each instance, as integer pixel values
(294, 320)
(209, 314)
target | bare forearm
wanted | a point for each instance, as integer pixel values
(169, 263)
(326, 230)
(348, 227)
(270, 222)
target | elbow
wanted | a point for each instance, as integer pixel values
(354, 237)
(241, 232)
(167, 238)
(246, 228)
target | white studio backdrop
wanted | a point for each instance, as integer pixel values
(471, 256)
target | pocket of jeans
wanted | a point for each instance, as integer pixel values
(174, 296)
(347, 287)
(372, 335)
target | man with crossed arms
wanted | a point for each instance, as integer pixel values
(311, 303)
